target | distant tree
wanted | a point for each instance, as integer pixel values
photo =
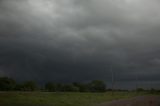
(70, 88)
(75, 88)
(97, 86)
(82, 87)
(29, 86)
(152, 90)
(140, 89)
(76, 84)
(7, 84)
(109, 89)
(18, 87)
(59, 87)
(51, 87)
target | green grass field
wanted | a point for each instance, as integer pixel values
(60, 99)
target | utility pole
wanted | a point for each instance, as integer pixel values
(136, 82)
(113, 81)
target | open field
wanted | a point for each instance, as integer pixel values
(61, 99)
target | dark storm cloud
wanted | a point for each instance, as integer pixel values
(80, 40)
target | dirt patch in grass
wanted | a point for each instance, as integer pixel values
(136, 101)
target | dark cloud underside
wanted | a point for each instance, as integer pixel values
(81, 40)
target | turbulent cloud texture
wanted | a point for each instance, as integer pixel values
(81, 40)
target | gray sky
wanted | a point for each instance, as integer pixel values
(80, 40)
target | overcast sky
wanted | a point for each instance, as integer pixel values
(81, 40)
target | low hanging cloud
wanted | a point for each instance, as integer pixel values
(80, 40)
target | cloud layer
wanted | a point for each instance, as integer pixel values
(81, 40)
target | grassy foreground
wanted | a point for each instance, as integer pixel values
(60, 99)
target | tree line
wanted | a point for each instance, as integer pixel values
(9, 84)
